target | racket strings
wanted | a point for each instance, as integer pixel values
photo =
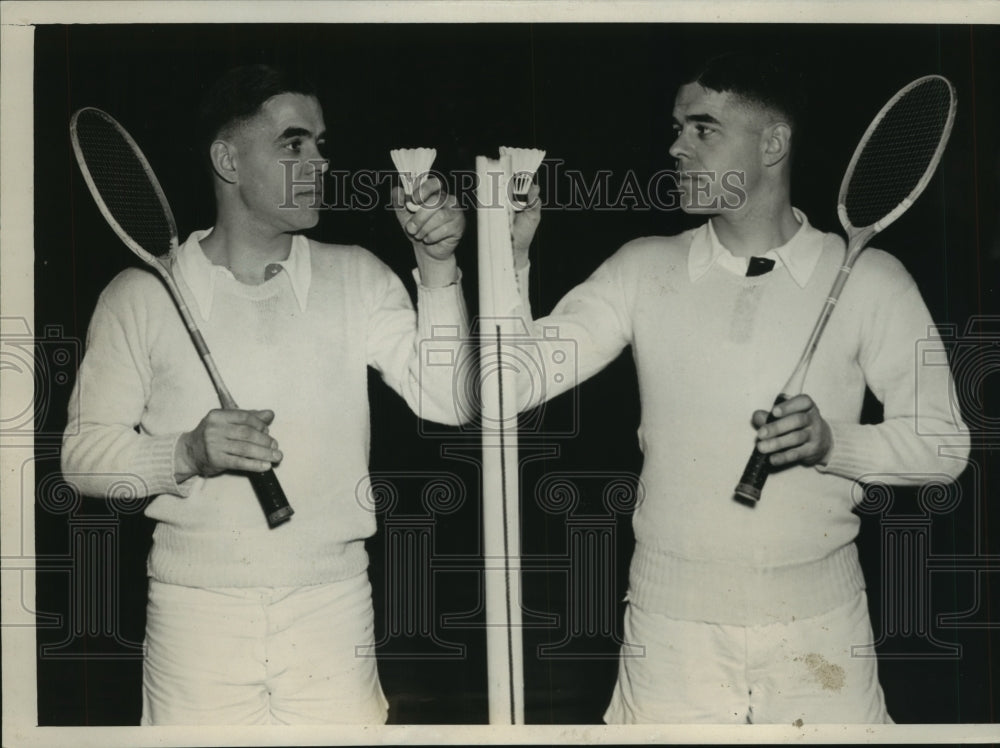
(123, 182)
(899, 152)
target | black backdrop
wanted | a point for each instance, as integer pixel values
(597, 97)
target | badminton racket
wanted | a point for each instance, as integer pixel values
(130, 198)
(891, 166)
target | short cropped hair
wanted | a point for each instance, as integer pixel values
(769, 80)
(239, 94)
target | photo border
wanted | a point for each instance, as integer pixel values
(17, 297)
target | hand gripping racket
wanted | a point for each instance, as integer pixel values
(891, 166)
(132, 201)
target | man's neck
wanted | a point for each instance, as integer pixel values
(756, 229)
(245, 250)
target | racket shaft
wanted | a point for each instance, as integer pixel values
(269, 492)
(759, 466)
(196, 337)
(271, 497)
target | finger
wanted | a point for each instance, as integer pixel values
(450, 230)
(410, 223)
(249, 435)
(439, 224)
(429, 192)
(238, 456)
(783, 442)
(404, 208)
(439, 207)
(784, 425)
(257, 419)
(243, 450)
(246, 464)
(533, 203)
(267, 416)
(796, 404)
(791, 456)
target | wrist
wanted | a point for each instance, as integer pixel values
(827, 443)
(184, 467)
(434, 272)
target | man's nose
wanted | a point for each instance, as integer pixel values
(678, 149)
(318, 163)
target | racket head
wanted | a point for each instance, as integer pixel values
(897, 155)
(123, 184)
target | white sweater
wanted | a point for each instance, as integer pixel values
(141, 384)
(710, 347)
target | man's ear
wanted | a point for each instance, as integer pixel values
(777, 143)
(223, 156)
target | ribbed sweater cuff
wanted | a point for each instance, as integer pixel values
(155, 464)
(442, 306)
(851, 454)
(738, 594)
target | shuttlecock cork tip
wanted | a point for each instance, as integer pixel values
(413, 165)
(524, 163)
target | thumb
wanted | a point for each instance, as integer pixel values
(267, 416)
(759, 418)
(534, 201)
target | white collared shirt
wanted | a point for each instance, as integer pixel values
(798, 255)
(201, 275)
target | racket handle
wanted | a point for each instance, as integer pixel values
(757, 469)
(271, 497)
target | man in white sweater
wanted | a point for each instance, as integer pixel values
(248, 624)
(751, 613)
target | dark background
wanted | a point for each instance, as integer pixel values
(596, 97)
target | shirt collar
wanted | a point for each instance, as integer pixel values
(798, 255)
(200, 274)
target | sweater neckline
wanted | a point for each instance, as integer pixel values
(227, 283)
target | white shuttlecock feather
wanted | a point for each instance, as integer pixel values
(524, 163)
(413, 165)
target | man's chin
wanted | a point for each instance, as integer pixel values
(699, 205)
(702, 204)
(304, 218)
(694, 209)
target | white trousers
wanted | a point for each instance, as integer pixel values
(695, 672)
(262, 655)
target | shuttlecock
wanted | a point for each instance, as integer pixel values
(524, 162)
(413, 165)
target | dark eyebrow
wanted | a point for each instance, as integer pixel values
(707, 119)
(299, 132)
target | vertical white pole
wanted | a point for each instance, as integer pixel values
(501, 498)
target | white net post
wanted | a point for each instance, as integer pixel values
(501, 500)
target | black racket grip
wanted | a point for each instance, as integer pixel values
(271, 497)
(757, 469)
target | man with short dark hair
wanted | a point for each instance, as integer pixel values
(247, 624)
(751, 613)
